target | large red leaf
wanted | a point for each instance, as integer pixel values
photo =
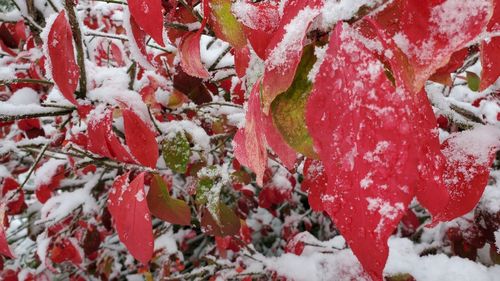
(430, 31)
(129, 209)
(189, 50)
(148, 14)
(140, 139)
(285, 48)
(65, 71)
(469, 157)
(490, 60)
(361, 128)
(4, 245)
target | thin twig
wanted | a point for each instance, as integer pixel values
(219, 58)
(32, 168)
(7, 118)
(77, 36)
(25, 80)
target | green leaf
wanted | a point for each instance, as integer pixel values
(225, 25)
(288, 109)
(164, 207)
(176, 152)
(473, 81)
(204, 186)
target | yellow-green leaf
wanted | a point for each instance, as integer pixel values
(225, 25)
(164, 207)
(288, 108)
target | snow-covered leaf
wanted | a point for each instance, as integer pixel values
(176, 152)
(371, 172)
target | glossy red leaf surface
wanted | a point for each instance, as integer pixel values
(140, 139)
(148, 14)
(128, 206)
(285, 48)
(469, 157)
(430, 31)
(371, 172)
(65, 71)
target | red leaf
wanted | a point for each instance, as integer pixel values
(442, 75)
(140, 139)
(430, 31)
(260, 21)
(103, 141)
(52, 179)
(490, 60)
(469, 157)
(285, 48)
(189, 50)
(128, 207)
(315, 183)
(371, 170)
(66, 250)
(149, 16)
(65, 71)
(260, 132)
(4, 245)
(241, 61)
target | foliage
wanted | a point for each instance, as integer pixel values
(217, 139)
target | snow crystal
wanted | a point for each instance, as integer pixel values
(320, 53)
(366, 181)
(139, 196)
